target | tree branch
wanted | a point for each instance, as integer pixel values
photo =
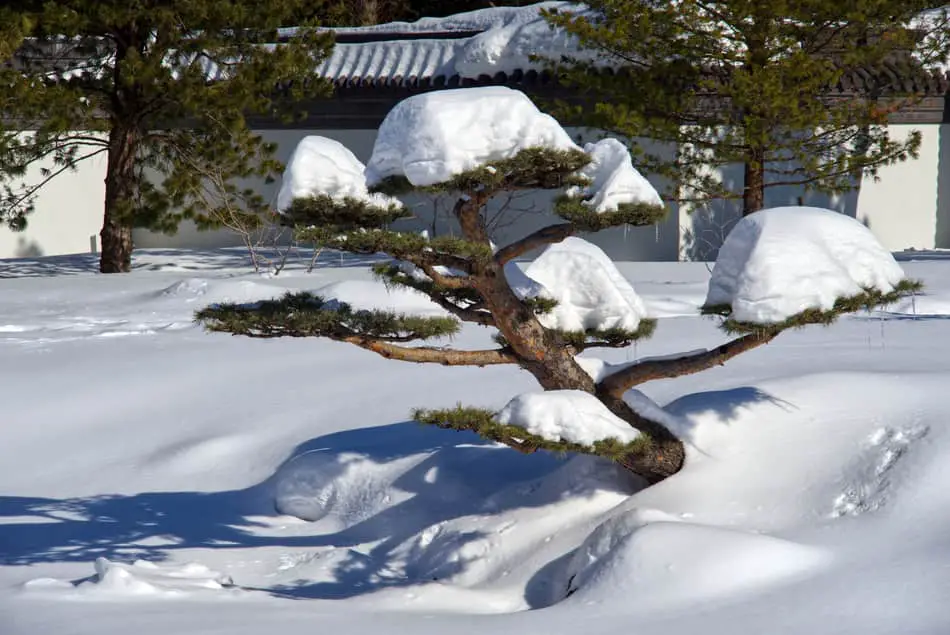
(468, 314)
(544, 236)
(626, 378)
(431, 355)
(447, 282)
(33, 189)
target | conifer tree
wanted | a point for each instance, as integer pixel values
(468, 277)
(161, 89)
(754, 83)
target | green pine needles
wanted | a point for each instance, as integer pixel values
(465, 275)
(867, 300)
(798, 92)
(343, 214)
(482, 422)
(160, 92)
(308, 315)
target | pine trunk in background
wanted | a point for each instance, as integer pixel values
(753, 192)
(116, 234)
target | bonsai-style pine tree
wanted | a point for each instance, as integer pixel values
(799, 92)
(161, 89)
(482, 142)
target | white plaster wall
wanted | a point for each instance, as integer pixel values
(901, 208)
(68, 213)
(635, 244)
(942, 230)
(908, 208)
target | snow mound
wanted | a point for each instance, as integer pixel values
(605, 538)
(431, 137)
(141, 578)
(344, 488)
(566, 415)
(675, 564)
(614, 180)
(591, 293)
(779, 262)
(210, 290)
(320, 165)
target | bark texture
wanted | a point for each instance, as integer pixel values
(116, 234)
(753, 192)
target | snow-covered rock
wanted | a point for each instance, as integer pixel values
(614, 180)
(591, 293)
(325, 166)
(566, 415)
(778, 262)
(431, 137)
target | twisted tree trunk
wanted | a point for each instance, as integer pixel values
(544, 354)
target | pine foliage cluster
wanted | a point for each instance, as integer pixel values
(798, 91)
(161, 90)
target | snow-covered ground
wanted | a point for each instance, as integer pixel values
(154, 478)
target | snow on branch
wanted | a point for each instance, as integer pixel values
(788, 267)
(432, 137)
(488, 425)
(867, 300)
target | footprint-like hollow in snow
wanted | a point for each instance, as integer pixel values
(873, 474)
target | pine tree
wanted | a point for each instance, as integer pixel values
(748, 82)
(465, 275)
(162, 89)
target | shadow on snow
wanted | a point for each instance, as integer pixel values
(174, 260)
(37, 530)
(457, 474)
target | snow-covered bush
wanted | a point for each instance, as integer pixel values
(779, 269)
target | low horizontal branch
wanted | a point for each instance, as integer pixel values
(432, 355)
(626, 378)
(444, 281)
(544, 236)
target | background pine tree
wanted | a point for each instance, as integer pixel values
(162, 89)
(748, 82)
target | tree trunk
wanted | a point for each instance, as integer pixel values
(116, 234)
(753, 193)
(543, 353)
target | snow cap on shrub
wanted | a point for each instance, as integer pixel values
(779, 262)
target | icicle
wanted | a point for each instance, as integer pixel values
(881, 320)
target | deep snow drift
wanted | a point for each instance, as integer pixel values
(153, 477)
